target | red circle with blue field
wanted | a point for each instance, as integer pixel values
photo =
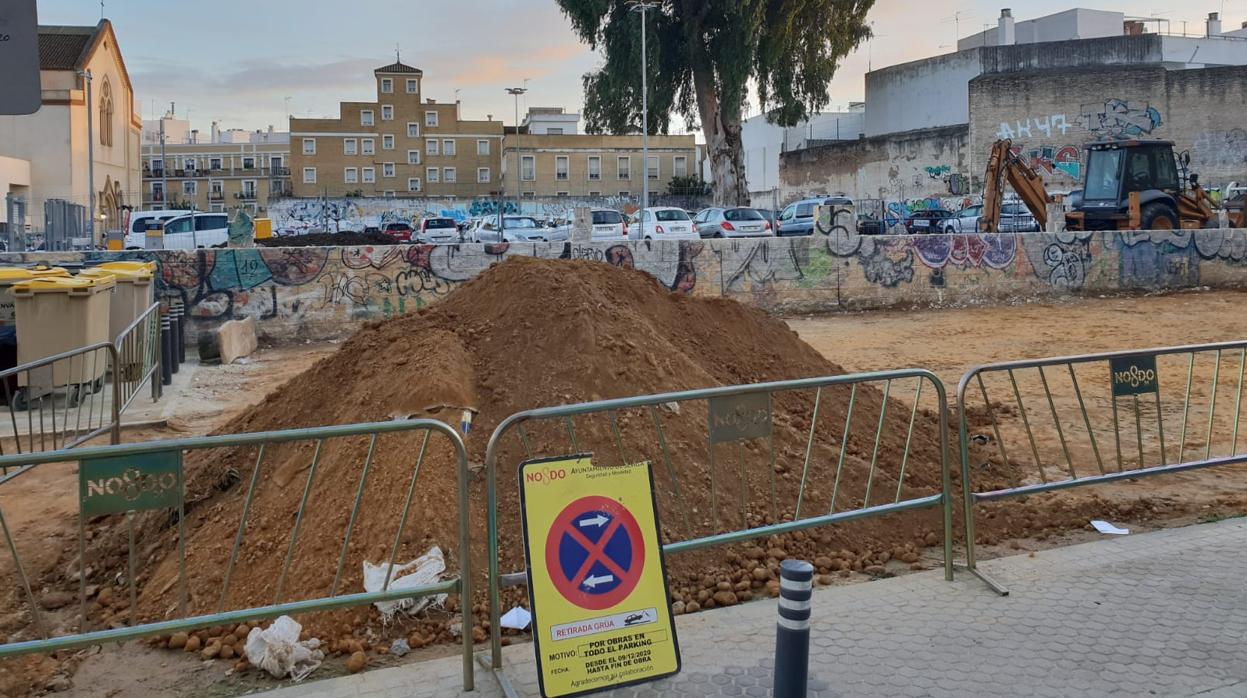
(595, 553)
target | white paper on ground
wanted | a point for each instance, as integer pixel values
(516, 618)
(426, 569)
(1110, 529)
(277, 650)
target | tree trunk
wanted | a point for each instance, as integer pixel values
(720, 123)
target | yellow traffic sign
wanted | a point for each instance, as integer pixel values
(596, 579)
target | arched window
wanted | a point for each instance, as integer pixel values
(106, 113)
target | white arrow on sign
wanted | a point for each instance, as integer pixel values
(600, 520)
(592, 582)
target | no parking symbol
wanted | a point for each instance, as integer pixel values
(595, 553)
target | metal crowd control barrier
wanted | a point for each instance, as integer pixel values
(66, 400)
(890, 464)
(171, 451)
(1098, 418)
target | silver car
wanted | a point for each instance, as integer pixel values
(519, 229)
(732, 223)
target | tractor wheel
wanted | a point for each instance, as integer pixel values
(1158, 216)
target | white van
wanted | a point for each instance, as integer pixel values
(207, 230)
(138, 221)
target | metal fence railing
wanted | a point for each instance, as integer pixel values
(138, 490)
(1049, 424)
(848, 448)
(138, 359)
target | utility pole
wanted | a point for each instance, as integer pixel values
(514, 92)
(164, 167)
(643, 6)
(90, 155)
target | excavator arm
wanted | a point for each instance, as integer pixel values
(1004, 165)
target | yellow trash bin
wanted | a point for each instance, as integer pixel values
(13, 275)
(134, 293)
(57, 315)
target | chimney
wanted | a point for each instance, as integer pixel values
(1005, 35)
(270, 129)
(1214, 24)
(216, 132)
(194, 135)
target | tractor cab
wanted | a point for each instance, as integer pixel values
(1116, 170)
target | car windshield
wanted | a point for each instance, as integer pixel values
(742, 214)
(607, 218)
(526, 223)
(1015, 210)
(1103, 175)
(397, 226)
(441, 223)
(671, 214)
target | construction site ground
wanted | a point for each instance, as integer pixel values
(945, 341)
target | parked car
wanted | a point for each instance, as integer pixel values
(608, 224)
(137, 223)
(187, 233)
(928, 221)
(662, 223)
(798, 218)
(869, 225)
(518, 229)
(732, 223)
(1016, 218)
(402, 231)
(438, 231)
(371, 230)
(964, 221)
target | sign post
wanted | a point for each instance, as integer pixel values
(597, 583)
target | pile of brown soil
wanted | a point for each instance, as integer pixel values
(344, 239)
(524, 334)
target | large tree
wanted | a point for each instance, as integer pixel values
(704, 57)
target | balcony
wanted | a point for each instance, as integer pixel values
(156, 197)
(245, 195)
(216, 196)
(158, 172)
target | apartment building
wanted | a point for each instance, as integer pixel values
(399, 145)
(218, 177)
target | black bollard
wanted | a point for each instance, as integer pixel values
(792, 636)
(166, 346)
(181, 333)
(175, 329)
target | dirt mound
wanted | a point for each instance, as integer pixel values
(346, 239)
(525, 334)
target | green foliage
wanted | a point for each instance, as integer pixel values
(700, 48)
(691, 185)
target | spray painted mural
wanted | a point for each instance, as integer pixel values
(320, 293)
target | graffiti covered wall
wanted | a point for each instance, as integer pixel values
(321, 293)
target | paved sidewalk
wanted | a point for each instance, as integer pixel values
(1162, 613)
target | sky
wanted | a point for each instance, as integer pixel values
(242, 62)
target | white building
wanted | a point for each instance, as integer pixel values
(550, 121)
(763, 142)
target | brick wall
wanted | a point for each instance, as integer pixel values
(321, 293)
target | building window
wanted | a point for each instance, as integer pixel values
(365, 117)
(413, 86)
(309, 175)
(482, 175)
(560, 168)
(387, 169)
(430, 119)
(247, 163)
(217, 208)
(681, 167)
(482, 147)
(309, 146)
(368, 146)
(216, 187)
(158, 166)
(190, 188)
(432, 174)
(158, 191)
(562, 194)
(387, 86)
(653, 168)
(625, 168)
(625, 194)
(350, 146)
(448, 147)
(370, 175)
(413, 157)
(389, 194)
(215, 163)
(595, 194)
(350, 175)
(387, 112)
(528, 168)
(190, 166)
(413, 184)
(248, 189)
(450, 175)
(413, 129)
(430, 146)
(595, 168)
(106, 113)
(387, 142)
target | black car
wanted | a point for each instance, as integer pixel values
(869, 225)
(929, 221)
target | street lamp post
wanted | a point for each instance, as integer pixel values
(519, 176)
(86, 75)
(643, 6)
